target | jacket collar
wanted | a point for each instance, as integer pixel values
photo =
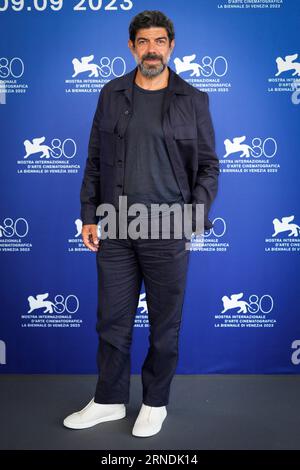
(176, 85)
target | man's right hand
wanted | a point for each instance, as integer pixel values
(90, 236)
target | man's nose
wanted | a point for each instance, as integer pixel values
(152, 49)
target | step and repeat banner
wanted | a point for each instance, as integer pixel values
(242, 304)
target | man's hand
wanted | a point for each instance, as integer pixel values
(90, 237)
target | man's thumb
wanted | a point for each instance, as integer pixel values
(95, 237)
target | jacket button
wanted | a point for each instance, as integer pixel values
(119, 185)
(120, 136)
(126, 112)
(120, 162)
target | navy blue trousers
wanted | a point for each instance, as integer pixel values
(121, 266)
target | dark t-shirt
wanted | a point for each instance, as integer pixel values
(149, 176)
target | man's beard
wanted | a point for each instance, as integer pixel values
(152, 70)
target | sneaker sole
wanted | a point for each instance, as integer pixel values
(146, 434)
(97, 421)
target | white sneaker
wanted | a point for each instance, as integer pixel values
(149, 420)
(95, 413)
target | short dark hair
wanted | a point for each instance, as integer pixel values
(149, 18)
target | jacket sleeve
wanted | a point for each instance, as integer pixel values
(90, 188)
(206, 185)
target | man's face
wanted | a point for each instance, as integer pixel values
(151, 50)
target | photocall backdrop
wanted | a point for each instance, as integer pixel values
(241, 310)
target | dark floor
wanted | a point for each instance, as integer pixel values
(204, 412)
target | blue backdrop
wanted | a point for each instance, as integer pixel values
(241, 310)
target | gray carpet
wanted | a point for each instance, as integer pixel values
(205, 412)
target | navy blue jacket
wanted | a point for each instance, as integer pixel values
(189, 137)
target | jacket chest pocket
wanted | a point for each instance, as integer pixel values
(185, 138)
(107, 141)
(184, 132)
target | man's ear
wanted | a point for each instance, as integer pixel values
(130, 44)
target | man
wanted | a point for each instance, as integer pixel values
(152, 140)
